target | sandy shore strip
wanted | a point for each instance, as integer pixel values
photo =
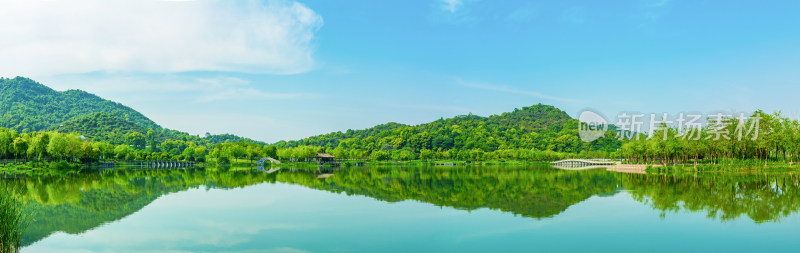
(630, 168)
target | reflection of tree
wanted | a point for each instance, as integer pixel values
(761, 197)
(78, 203)
(536, 192)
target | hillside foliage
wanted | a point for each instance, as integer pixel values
(28, 106)
(539, 127)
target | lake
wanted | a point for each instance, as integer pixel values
(384, 209)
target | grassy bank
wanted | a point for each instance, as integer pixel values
(35, 167)
(458, 162)
(355, 163)
(40, 168)
(728, 165)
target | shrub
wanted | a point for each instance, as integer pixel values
(13, 221)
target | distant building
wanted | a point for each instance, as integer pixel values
(324, 158)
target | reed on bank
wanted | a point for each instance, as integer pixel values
(13, 220)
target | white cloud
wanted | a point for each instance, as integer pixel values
(515, 91)
(232, 88)
(454, 11)
(58, 37)
(658, 3)
(653, 9)
(574, 15)
(247, 124)
(451, 5)
(153, 87)
(523, 14)
(251, 93)
(443, 108)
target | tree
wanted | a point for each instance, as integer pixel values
(403, 155)
(136, 140)
(271, 151)
(122, 151)
(200, 153)
(38, 147)
(20, 147)
(58, 146)
(7, 137)
(379, 155)
(188, 153)
(427, 154)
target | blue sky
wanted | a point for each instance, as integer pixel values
(275, 70)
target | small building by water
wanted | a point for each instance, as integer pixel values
(323, 158)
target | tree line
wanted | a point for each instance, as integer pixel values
(72, 147)
(761, 136)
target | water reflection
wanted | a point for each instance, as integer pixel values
(536, 192)
(762, 197)
(78, 203)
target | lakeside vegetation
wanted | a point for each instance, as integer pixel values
(13, 220)
(753, 143)
(46, 129)
(71, 147)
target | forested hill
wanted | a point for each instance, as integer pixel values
(99, 126)
(540, 127)
(26, 106)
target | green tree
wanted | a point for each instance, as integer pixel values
(136, 140)
(20, 147)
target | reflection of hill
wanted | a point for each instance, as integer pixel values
(75, 219)
(761, 197)
(78, 203)
(533, 192)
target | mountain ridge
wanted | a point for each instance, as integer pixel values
(29, 106)
(541, 127)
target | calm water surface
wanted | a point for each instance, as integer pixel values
(494, 209)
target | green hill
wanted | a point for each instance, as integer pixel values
(100, 126)
(540, 127)
(112, 128)
(27, 106)
(229, 138)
